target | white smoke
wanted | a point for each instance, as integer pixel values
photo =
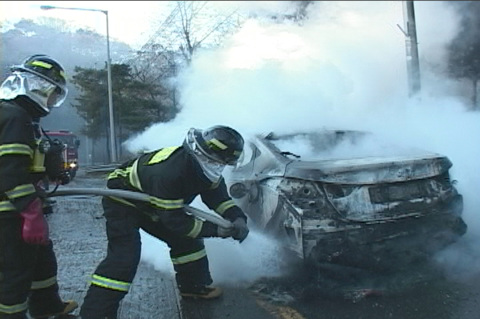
(345, 67)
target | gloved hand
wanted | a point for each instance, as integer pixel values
(34, 224)
(40, 190)
(241, 229)
(225, 232)
(64, 178)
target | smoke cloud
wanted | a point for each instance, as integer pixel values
(344, 67)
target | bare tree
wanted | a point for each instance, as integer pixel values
(191, 25)
(157, 66)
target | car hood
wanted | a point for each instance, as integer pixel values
(369, 170)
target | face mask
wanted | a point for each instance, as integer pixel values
(211, 169)
(39, 90)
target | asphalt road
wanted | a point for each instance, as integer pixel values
(78, 233)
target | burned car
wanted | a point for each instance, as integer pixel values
(340, 198)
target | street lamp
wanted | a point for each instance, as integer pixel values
(113, 151)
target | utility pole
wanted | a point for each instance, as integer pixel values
(411, 46)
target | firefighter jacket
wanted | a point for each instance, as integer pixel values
(173, 178)
(17, 148)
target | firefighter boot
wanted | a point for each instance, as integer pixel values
(201, 292)
(66, 308)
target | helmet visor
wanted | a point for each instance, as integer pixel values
(211, 169)
(42, 91)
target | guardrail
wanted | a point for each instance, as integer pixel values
(92, 169)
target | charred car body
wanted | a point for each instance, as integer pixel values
(379, 209)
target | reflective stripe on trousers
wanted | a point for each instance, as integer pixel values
(109, 283)
(114, 275)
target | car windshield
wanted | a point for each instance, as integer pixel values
(338, 145)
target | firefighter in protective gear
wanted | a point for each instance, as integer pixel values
(28, 265)
(173, 177)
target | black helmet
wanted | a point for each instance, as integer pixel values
(45, 67)
(39, 79)
(218, 143)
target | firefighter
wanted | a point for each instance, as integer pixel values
(173, 176)
(28, 265)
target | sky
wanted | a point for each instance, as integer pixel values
(344, 67)
(142, 16)
(132, 22)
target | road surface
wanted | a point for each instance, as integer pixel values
(77, 230)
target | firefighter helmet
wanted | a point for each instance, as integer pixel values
(41, 79)
(218, 143)
(214, 148)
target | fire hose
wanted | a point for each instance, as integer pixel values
(201, 214)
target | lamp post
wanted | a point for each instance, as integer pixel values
(113, 150)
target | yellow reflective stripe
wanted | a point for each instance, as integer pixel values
(13, 308)
(6, 206)
(15, 149)
(112, 175)
(162, 155)
(128, 172)
(110, 283)
(133, 178)
(44, 283)
(224, 206)
(157, 202)
(189, 258)
(196, 229)
(121, 200)
(215, 184)
(119, 172)
(217, 143)
(41, 64)
(46, 65)
(166, 203)
(20, 191)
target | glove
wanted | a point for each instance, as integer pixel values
(64, 178)
(225, 232)
(241, 229)
(41, 190)
(34, 224)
